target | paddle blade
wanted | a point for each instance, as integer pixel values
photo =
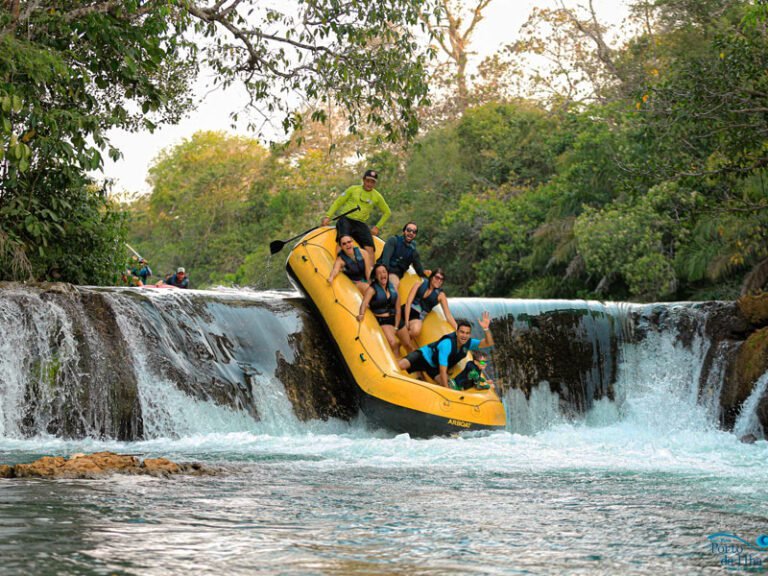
(275, 246)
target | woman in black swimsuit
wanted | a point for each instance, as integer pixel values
(382, 298)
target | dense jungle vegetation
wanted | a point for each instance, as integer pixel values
(574, 163)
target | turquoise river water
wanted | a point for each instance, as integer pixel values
(646, 484)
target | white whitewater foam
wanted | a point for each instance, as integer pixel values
(748, 421)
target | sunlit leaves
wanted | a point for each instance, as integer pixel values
(630, 240)
(363, 55)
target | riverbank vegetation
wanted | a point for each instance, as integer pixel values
(575, 163)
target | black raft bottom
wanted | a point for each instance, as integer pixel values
(417, 424)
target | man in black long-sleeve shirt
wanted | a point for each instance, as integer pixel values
(400, 252)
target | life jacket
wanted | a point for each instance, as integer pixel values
(456, 354)
(402, 256)
(426, 304)
(380, 304)
(471, 376)
(355, 269)
(174, 281)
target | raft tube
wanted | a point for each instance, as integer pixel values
(389, 396)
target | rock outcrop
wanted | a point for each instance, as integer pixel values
(754, 308)
(573, 351)
(99, 465)
(749, 361)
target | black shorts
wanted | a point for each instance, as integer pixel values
(419, 364)
(358, 230)
(385, 320)
(414, 316)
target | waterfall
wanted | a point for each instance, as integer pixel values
(223, 336)
(748, 421)
(130, 363)
(648, 375)
(37, 349)
(657, 385)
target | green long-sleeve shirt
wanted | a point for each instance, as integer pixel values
(358, 196)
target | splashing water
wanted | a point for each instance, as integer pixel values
(633, 486)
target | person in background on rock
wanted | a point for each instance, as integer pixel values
(129, 276)
(440, 356)
(354, 262)
(128, 279)
(364, 197)
(422, 298)
(179, 280)
(383, 300)
(141, 270)
(400, 252)
(144, 271)
(473, 374)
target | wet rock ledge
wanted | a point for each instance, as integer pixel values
(101, 464)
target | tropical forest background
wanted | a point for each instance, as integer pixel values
(579, 161)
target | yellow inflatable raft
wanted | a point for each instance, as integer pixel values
(389, 397)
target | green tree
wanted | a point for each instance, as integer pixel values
(637, 242)
(508, 143)
(199, 214)
(68, 73)
(71, 71)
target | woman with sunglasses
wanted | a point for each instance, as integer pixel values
(424, 296)
(382, 298)
(354, 262)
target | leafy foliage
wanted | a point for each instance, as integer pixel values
(70, 71)
(67, 75)
(632, 170)
(218, 200)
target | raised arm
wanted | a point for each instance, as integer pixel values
(485, 324)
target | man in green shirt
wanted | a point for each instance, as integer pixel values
(365, 197)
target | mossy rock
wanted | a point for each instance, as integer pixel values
(751, 363)
(754, 307)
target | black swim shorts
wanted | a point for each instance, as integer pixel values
(419, 364)
(358, 230)
(385, 320)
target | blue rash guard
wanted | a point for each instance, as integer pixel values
(444, 347)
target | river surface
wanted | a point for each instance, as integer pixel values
(638, 485)
(337, 498)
